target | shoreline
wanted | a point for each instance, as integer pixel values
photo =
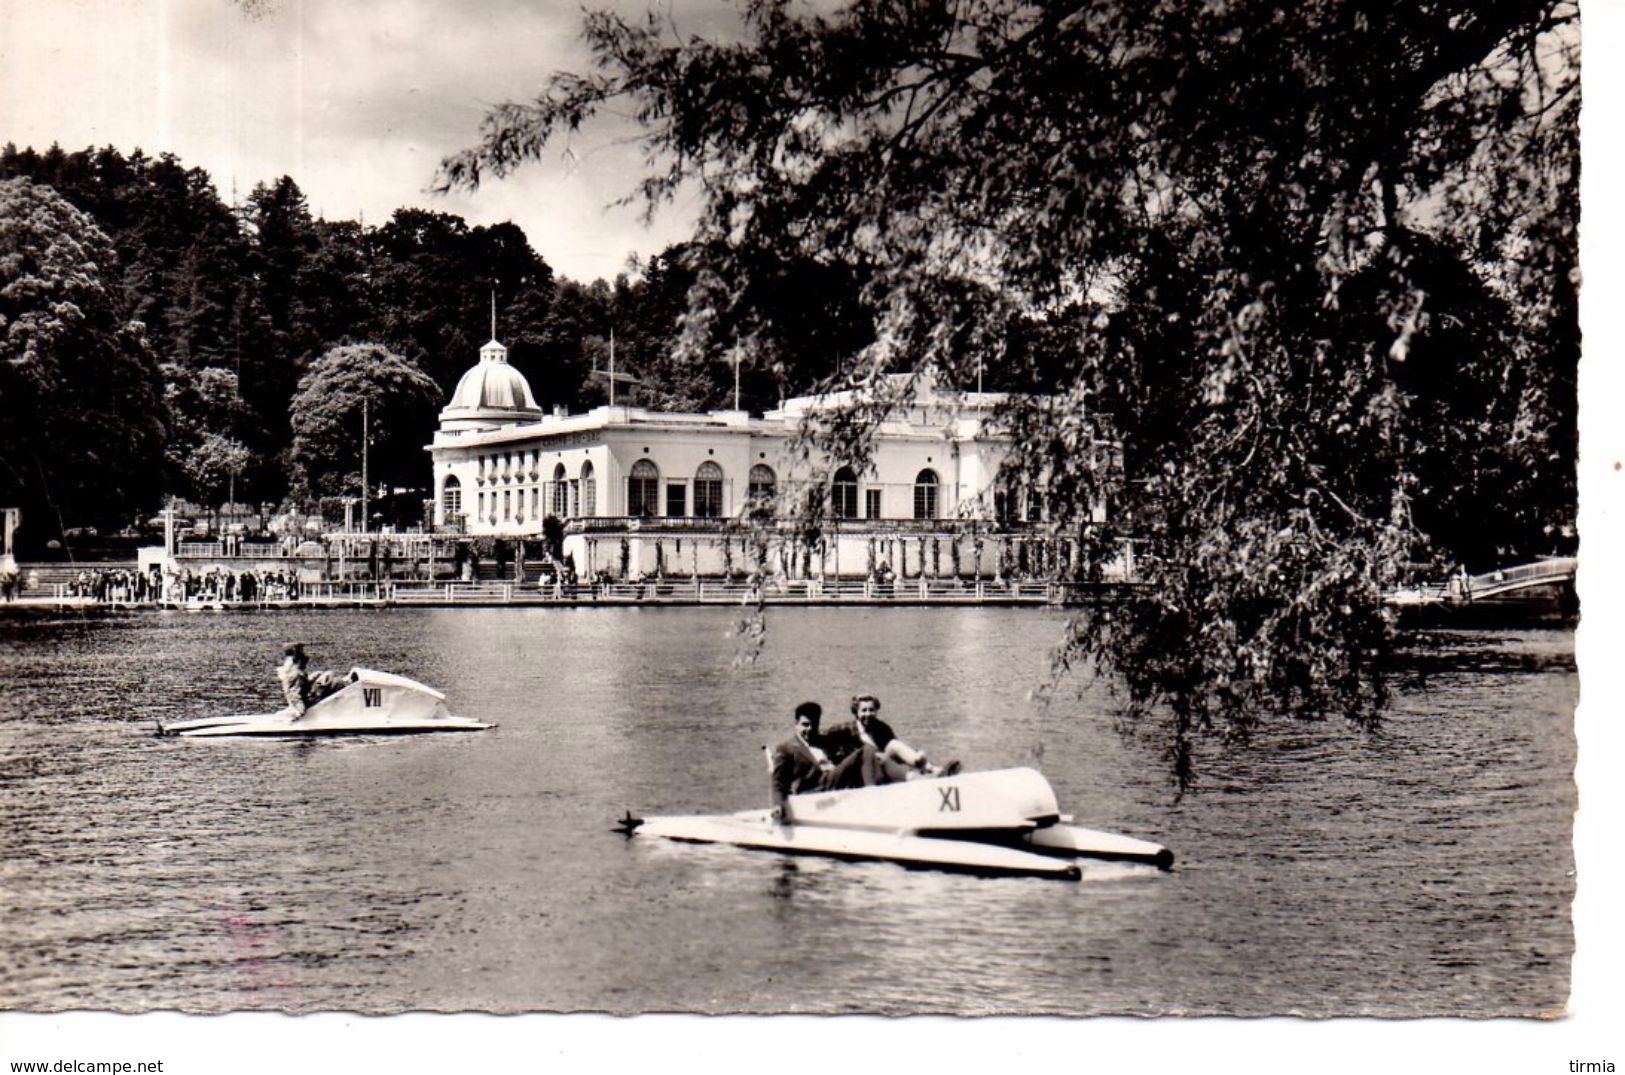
(1055, 596)
(614, 595)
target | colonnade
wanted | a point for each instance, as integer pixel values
(969, 555)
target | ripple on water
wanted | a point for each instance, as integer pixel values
(1426, 869)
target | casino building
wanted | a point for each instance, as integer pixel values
(643, 493)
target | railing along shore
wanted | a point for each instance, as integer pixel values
(701, 591)
(291, 593)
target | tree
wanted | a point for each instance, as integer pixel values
(234, 302)
(180, 249)
(810, 306)
(434, 278)
(1245, 242)
(277, 309)
(326, 416)
(209, 422)
(215, 464)
(567, 342)
(648, 315)
(548, 341)
(81, 406)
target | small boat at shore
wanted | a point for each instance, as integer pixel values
(1001, 822)
(371, 703)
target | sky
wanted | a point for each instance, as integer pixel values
(357, 100)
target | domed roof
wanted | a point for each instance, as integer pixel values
(492, 390)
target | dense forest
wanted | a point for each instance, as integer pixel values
(162, 342)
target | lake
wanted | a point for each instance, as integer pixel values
(1424, 870)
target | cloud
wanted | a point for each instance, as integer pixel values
(358, 102)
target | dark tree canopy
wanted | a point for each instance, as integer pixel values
(81, 403)
(434, 283)
(1311, 267)
(235, 302)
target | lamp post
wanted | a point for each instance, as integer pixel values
(9, 518)
(168, 569)
(612, 375)
(169, 530)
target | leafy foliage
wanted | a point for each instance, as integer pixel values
(785, 329)
(215, 463)
(1310, 269)
(236, 301)
(326, 417)
(434, 282)
(81, 406)
(207, 414)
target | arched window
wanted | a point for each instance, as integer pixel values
(451, 499)
(589, 490)
(643, 489)
(763, 482)
(843, 494)
(708, 491)
(925, 495)
(561, 493)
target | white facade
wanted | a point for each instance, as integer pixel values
(638, 490)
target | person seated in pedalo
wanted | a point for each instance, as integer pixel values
(896, 759)
(302, 688)
(803, 763)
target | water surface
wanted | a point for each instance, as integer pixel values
(1425, 870)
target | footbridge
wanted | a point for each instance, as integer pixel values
(1465, 589)
(1549, 572)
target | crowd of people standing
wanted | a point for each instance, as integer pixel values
(212, 584)
(116, 585)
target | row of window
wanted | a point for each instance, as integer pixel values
(564, 499)
(643, 490)
(511, 467)
(571, 497)
(843, 496)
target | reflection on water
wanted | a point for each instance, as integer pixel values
(1424, 870)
